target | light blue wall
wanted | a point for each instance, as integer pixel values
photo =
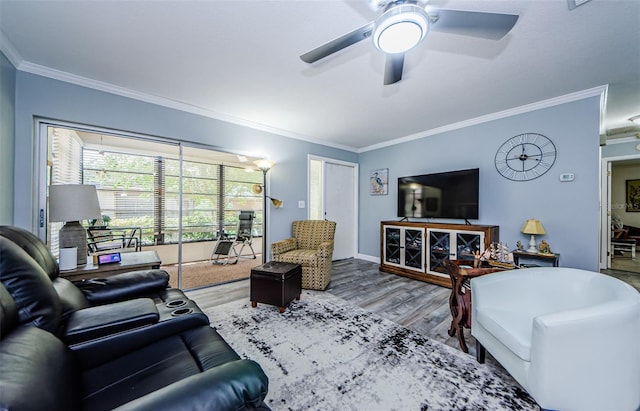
(568, 211)
(43, 97)
(625, 149)
(7, 123)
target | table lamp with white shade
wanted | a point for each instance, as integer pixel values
(72, 203)
(532, 227)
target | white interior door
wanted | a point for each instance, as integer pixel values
(333, 192)
(339, 204)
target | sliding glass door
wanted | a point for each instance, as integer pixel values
(177, 199)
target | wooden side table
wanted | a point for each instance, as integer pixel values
(143, 260)
(554, 259)
(460, 298)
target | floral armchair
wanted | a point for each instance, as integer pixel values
(312, 247)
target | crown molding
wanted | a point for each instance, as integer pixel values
(10, 51)
(567, 98)
(16, 59)
(623, 140)
(164, 102)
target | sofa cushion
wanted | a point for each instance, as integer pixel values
(306, 258)
(311, 233)
(8, 312)
(38, 372)
(513, 328)
(30, 287)
(71, 298)
(34, 247)
(233, 386)
(154, 367)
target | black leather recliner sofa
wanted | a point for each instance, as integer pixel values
(137, 353)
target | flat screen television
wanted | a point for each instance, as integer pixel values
(452, 194)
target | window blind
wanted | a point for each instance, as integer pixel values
(65, 167)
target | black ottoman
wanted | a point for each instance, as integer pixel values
(275, 283)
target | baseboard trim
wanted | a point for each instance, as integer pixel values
(371, 258)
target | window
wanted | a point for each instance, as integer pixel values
(139, 185)
(126, 185)
(238, 196)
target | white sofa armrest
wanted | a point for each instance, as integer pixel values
(576, 352)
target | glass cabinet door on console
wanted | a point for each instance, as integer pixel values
(439, 248)
(403, 247)
(392, 245)
(451, 244)
(418, 249)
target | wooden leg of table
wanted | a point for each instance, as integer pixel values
(452, 329)
(480, 352)
(281, 309)
(254, 304)
(463, 343)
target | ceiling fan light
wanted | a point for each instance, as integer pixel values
(400, 28)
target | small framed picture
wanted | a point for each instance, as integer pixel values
(633, 195)
(379, 182)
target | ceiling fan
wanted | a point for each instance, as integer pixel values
(405, 23)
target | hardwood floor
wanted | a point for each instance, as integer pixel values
(416, 305)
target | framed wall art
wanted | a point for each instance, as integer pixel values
(633, 195)
(379, 182)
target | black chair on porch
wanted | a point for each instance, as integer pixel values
(225, 250)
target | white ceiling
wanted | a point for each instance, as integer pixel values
(238, 61)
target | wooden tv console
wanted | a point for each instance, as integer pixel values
(418, 249)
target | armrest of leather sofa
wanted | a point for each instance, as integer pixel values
(99, 351)
(123, 286)
(95, 322)
(236, 385)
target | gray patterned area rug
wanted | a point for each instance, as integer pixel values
(324, 353)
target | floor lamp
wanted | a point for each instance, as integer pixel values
(265, 165)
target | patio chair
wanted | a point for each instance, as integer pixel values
(244, 233)
(100, 239)
(225, 251)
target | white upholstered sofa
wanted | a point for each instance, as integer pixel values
(570, 337)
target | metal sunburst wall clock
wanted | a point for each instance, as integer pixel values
(525, 157)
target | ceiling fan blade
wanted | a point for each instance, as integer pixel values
(338, 44)
(393, 68)
(492, 26)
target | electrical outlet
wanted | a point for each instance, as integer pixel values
(301, 204)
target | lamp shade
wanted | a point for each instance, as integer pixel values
(276, 203)
(264, 164)
(256, 189)
(533, 227)
(73, 202)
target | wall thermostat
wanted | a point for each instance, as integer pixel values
(109, 258)
(564, 177)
